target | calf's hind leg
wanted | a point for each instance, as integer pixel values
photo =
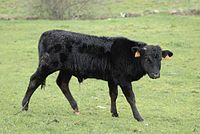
(44, 69)
(36, 79)
(63, 82)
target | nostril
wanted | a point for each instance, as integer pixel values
(157, 74)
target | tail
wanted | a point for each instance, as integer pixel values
(43, 60)
(43, 84)
(43, 56)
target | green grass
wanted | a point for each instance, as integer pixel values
(145, 5)
(106, 8)
(169, 104)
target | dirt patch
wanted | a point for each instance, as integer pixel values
(171, 12)
(9, 17)
(185, 12)
(31, 18)
(181, 12)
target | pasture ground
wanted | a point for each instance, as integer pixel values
(104, 8)
(169, 104)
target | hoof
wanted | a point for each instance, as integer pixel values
(139, 119)
(115, 115)
(24, 108)
(76, 112)
(24, 105)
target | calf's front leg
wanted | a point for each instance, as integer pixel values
(130, 97)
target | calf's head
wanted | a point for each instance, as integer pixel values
(151, 57)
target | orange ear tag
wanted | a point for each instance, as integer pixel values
(167, 57)
(137, 54)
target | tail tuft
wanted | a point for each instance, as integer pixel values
(43, 84)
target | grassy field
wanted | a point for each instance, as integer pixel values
(105, 8)
(169, 104)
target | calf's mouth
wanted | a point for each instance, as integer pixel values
(154, 75)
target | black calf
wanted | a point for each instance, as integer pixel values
(116, 60)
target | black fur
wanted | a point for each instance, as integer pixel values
(83, 56)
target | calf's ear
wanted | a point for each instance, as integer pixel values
(136, 52)
(166, 54)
